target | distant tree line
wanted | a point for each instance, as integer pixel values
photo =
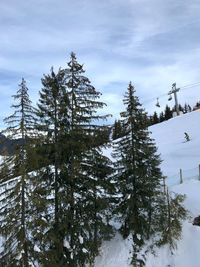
(118, 128)
(167, 114)
(59, 193)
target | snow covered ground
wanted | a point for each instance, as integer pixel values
(176, 154)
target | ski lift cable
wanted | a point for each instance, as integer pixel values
(154, 99)
(188, 86)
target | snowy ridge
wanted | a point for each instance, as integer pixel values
(176, 154)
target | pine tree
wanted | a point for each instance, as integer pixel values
(52, 149)
(170, 221)
(167, 113)
(161, 117)
(189, 108)
(185, 109)
(117, 130)
(138, 177)
(88, 171)
(15, 184)
(155, 118)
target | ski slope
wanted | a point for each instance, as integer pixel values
(176, 154)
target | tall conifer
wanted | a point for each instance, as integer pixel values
(53, 126)
(15, 192)
(88, 170)
(139, 177)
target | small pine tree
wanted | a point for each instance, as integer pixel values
(173, 213)
(167, 113)
(162, 117)
(189, 108)
(155, 118)
(185, 109)
(117, 130)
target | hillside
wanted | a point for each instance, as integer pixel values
(8, 146)
(176, 154)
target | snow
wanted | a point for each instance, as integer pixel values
(66, 244)
(176, 154)
(187, 253)
(36, 248)
(115, 253)
(81, 239)
(84, 250)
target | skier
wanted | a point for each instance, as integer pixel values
(187, 138)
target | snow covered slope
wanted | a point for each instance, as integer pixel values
(187, 253)
(176, 154)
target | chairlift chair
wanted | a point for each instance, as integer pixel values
(170, 98)
(157, 104)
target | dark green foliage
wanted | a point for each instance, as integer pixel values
(88, 171)
(168, 113)
(155, 118)
(117, 130)
(49, 189)
(91, 208)
(71, 196)
(161, 117)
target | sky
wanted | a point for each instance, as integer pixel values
(152, 43)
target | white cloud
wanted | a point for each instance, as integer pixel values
(151, 42)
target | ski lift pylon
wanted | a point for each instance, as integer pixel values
(157, 103)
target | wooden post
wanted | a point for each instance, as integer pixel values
(181, 176)
(199, 172)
